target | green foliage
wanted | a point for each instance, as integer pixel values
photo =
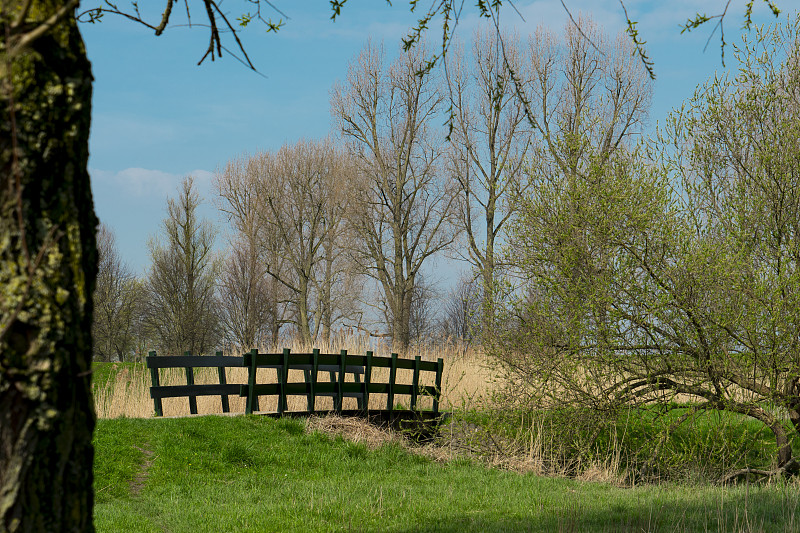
(670, 270)
(700, 19)
(639, 43)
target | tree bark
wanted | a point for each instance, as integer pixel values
(48, 265)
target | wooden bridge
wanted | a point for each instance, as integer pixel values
(363, 386)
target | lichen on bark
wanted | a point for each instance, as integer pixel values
(47, 272)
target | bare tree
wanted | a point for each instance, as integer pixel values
(461, 312)
(404, 208)
(587, 98)
(490, 139)
(117, 300)
(238, 199)
(297, 198)
(422, 319)
(247, 299)
(338, 283)
(181, 307)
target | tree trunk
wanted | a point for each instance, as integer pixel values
(303, 326)
(487, 325)
(48, 265)
(401, 316)
(326, 296)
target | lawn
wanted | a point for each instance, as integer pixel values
(251, 473)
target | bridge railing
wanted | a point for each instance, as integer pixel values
(365, 381)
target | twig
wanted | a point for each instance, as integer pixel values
(580, 30)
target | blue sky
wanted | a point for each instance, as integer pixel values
(157, 116)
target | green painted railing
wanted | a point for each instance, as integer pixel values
(311, 364)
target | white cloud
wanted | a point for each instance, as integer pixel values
(149, 183)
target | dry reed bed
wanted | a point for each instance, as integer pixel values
(467, 378)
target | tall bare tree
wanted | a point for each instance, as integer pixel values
(338, 283)
(404, 206)
(296, 198)
(117, 302)
(490, 140)
(237, 197)
(181, 309)
(587, 97)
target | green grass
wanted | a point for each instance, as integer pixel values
(707, 445)
(646, 442)
(251, 473)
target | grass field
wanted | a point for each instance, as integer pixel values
(253, 473)
(493, 469)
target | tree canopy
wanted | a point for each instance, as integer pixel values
(668, 272)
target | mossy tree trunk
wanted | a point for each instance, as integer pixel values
(48, 266)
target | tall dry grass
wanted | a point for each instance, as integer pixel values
(467, 379)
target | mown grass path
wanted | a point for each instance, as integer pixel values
(251, 473)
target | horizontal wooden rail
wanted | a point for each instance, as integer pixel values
(177, 391)
(336, 365)
(193, 361)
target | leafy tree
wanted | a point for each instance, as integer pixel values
(181, 306)
(677, 281)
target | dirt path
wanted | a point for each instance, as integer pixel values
(139, 480)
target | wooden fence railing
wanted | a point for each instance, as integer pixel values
(189, 363)
(311, 364)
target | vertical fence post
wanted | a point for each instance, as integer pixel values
(190, 381)
(438, 394)
(392, 378)
(340, 384)
(155, 383)
(223, 381)
(367, 381)
(360, 397)
(415, 382)
(252, 399)
(283, 377)
(311, 380)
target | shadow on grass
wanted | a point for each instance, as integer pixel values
(776, 510)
